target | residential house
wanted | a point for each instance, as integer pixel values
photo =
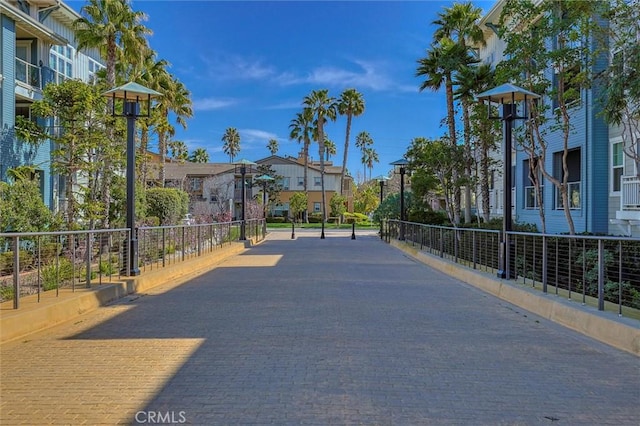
(38, 48)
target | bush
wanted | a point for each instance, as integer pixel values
(276, 220)
(169, 205)
(6, 261)
(56, 272)
(6, 292)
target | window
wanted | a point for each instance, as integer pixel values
(617, 166)
(316, 181)
(316, 207)
(530, 178)
(300, 181)
(573, 182)
(284, 182)
(61, 61)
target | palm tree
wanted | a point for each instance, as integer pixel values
(231, 139)
(199, 155)
(350, 104)
(363, 141)
(178, 150)
(442, 61)
(116, 30)
(369, 157)
(272, 146)
(175, 99)
(302, 130)
(460, 24)
(329, 148)
(470, 81)
(322, 107)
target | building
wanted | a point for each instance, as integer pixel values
(215, 188)
(38, 48)
(603, 187)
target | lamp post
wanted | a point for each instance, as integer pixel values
(131, 94)
(400, 167)
(264, 180)
(381, 179)
(242, 167)
(507, 95)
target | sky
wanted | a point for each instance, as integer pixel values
(249, 64)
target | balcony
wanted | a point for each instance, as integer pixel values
(28, 74)
(628, 216)
(630, 193)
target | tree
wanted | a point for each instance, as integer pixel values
(73, 102)
(178, 150)
(297, 204)
(272, 146)
(351, 104)
(117, 31)
(621, 94)
(21, 205)
(436, 163)
(199, 155)
(363, 141)
(329, 148)
(366, 197)
(527, 28)
(369, 157)
(322, 107)
(302, 129)
(231, 139)
(338, 205)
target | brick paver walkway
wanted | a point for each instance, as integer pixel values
(323, 332)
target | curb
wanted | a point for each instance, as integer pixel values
(51, 311)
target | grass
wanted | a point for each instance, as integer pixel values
(362, 225)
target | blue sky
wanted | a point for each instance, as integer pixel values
(248, 65)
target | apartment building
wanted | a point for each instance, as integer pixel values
(38, 48)
(603, 188)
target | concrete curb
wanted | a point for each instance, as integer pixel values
(614, 331)
(33, 316)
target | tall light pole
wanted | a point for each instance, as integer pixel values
(400, 167)
(131, 94)
(264, 180)
(242, 167)
(507, 95)
(381, 179)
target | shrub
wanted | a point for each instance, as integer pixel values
(56, 272)
(6, 261)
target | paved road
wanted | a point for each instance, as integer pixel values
(309, 331)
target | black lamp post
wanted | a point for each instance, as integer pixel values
(507, 95)
(401, 168)
(264, 180)
(131, 94)
(241, 166)
(381, 179)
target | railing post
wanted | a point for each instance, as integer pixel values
(441, 243)
(544, 264)
(164, 247)
(16, 272)
(473, 251)
(183, 243)
(88, 261)
(600, 275)
(198, 237)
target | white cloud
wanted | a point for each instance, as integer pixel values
(254, 135)
(235, 67)
(208, 104)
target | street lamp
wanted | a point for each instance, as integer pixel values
(242, 167)
(131, 94)
(400, 167)
(508, 95)
(381, 179)
(264, 180)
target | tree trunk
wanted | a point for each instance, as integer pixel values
(344, 157)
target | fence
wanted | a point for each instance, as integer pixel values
(35, 262)
(599, 271)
